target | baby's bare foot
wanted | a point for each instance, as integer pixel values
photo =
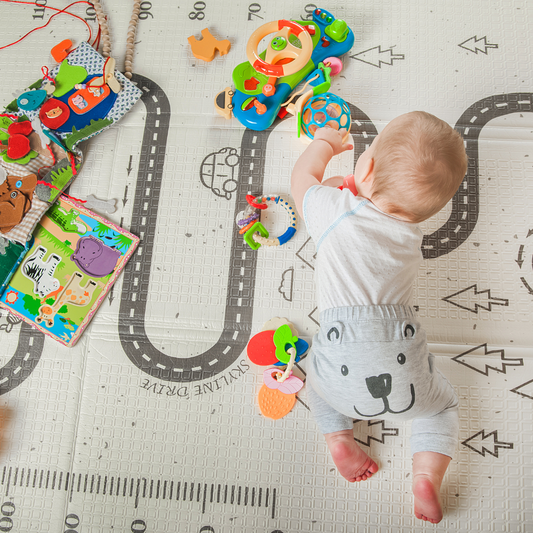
(428, 472)
(351, 461)
(427, 504)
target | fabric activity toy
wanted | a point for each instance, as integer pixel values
(74, 259)
(89, 96)
(254, 233)
(41, 129)
(40, 133)
(294, 50)
(37, 170)
(279, 346)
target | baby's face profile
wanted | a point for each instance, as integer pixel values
(361, 166)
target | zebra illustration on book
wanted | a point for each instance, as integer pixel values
(72, 294)
(41, 272)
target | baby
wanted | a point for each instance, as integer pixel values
(370, 357)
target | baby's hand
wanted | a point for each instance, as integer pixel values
(334, 138)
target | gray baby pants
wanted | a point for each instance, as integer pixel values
(371, 362)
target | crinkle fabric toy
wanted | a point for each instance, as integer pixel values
(40, 132)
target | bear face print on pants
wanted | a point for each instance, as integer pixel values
(373, 368)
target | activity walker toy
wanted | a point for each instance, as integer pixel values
(295, 50)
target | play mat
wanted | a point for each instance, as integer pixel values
(150, 423)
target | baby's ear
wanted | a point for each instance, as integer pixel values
(367, 172)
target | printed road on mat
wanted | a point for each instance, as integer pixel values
(266, 492)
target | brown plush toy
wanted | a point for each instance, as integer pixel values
(16, 195)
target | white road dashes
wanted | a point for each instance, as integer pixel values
(26, 357)
(143, 349)
(469, 136)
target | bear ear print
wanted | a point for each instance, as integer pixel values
(409, 331)
(334, 333)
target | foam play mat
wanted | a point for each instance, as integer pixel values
(151, 422)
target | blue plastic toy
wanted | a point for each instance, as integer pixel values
(254, 233)
(267, 79)
(324, 110)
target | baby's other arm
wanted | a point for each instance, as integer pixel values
(311, 165)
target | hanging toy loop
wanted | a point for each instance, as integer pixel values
(45, 72)
(290, 365)
(130, 42)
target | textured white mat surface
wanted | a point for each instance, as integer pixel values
(150, 423)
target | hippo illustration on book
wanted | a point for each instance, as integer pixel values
(94, 257)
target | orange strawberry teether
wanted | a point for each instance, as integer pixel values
(274, 403)
(277, 343)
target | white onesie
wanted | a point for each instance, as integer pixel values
(364, 257)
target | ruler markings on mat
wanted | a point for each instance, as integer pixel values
(139, 488)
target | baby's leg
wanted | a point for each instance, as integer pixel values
(351, 461)
(428, 472)
(433, 442)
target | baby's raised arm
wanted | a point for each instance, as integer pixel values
(311, 165)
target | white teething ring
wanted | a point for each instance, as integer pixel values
(256, 235)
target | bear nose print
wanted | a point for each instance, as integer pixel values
(379, 386)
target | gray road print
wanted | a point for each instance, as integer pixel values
(465, 204)
(242, 270)
(24, 360)
(241, 273)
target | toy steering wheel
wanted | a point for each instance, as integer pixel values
(280, 48)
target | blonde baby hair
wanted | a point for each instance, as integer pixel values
(419, 163)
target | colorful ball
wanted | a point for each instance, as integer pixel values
(325, 109)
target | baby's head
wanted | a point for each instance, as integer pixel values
(419, 163)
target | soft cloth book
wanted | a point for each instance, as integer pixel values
(75, 258)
